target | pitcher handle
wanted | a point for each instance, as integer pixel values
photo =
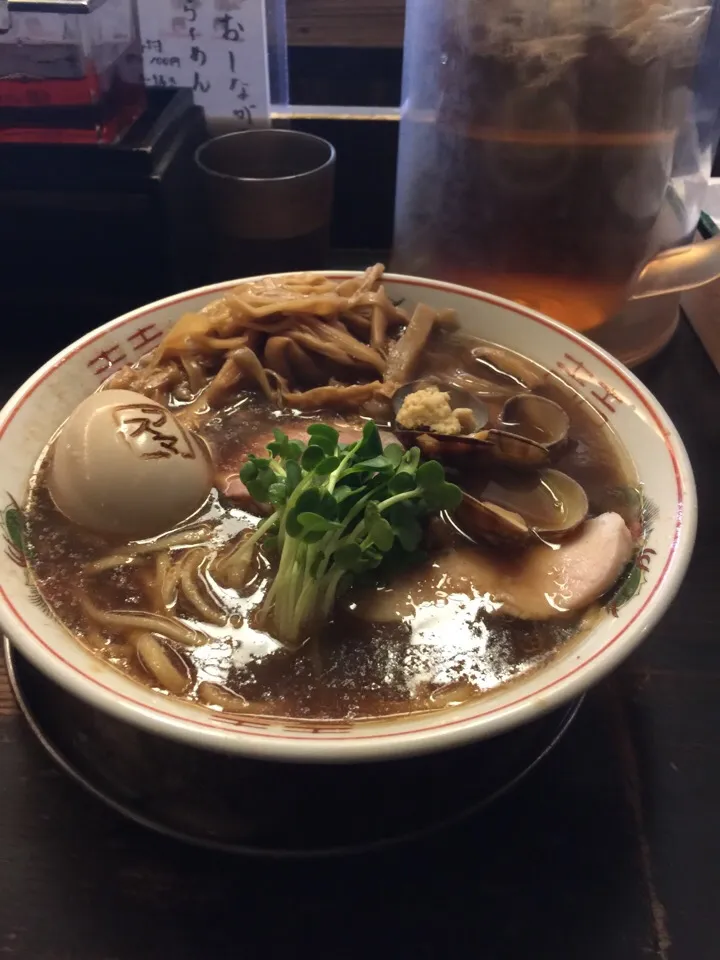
(680, 268)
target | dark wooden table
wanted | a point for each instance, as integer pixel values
(610, 851)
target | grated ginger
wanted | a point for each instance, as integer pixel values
(429, 409)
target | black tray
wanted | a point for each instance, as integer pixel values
(243, 805)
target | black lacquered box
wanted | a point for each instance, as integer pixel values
(90, 231)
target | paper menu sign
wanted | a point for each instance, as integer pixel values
(218, 48)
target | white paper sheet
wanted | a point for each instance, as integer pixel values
(218, 48)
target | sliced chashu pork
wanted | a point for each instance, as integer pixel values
(230, 484)
(540, 583)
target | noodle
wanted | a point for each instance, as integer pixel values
(353, 347)
(356, 285)
(277, 355)
(405, 352)
(179, 538)
(248, 363)
(171, 628)
(165, 581)
(217, 696)
(354, 321)
(152, 655)
(224, 380)
(304, 363)
(395, 315)
(233, 568)
(147, 579)
(164, 378)
(194, 372)
(276, 327)
(231, 343)
(279, 326)
(94, 639)
(342, 398)
(317, 344)
(378, 329)
(169, 585)
(248, 307)
(190, 584)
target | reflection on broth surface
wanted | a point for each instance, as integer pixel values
(443, 623)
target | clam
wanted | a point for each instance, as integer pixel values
(481, 387)
(508, 364)
(489, 521)
(528, 430)
(535, 418)
(458, 399)
(516, 450)
(511, 507)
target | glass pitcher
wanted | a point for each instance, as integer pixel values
(540, 151)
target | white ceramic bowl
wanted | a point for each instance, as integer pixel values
(48, 397)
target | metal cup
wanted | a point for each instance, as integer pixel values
(269, 195)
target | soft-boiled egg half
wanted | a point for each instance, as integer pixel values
(123, 464)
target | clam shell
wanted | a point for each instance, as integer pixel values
(535, 418)
(509, 364)
(513, 507)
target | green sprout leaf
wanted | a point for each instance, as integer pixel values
(277, 493)
(312, 456)
(325, 437)
(327, 466)
(430, 475)
(382, 534)
(402, 482)
(446, 496)
(394, 453)
(313, 521)
(370, 445)
(293, 475)
(249, 472)
(348, 556)
(339, 511)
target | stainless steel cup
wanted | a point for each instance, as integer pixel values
(269, 196)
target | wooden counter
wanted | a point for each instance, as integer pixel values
(345, 23)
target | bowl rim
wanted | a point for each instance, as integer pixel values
(370, 745)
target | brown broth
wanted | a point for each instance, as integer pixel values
(444, 652)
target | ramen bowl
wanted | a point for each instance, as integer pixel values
(664, 541)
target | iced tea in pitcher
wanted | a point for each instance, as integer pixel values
(536, 144)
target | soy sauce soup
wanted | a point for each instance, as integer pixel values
(445, 646)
